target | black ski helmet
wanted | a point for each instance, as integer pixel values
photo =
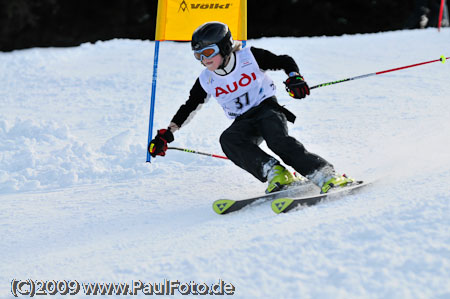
(213, 33)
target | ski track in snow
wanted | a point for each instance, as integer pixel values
(78, 201)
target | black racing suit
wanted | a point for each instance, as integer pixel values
(267, 121)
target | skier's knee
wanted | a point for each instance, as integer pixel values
(225, 138)
(283, 143)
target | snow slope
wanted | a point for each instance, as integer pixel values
(78, 201)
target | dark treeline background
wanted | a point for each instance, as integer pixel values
(44, 23)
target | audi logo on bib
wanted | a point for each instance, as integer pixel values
(245, 80)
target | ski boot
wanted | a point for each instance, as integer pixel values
(278, 178)
(336, 182)
(326, 178)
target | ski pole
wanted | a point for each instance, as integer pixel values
(196, 152)
(442, 59)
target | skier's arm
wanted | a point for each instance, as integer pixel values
(295, 84)
(158, 146)
(197, 96)
(269, 61)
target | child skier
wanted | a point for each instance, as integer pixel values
(236, 78)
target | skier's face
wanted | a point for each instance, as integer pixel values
(212, 63)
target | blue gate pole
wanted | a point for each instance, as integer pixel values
(152, 101)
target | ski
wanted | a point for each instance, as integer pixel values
(286, 204)
(225, 206)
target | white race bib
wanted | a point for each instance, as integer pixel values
(244, 88)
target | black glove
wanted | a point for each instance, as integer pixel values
(158, 146)
(297, 87)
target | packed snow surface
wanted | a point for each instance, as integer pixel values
(78, 201)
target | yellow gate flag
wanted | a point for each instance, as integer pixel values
(177, 19)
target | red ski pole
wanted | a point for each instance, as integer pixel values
(441, 10)
(442, 59)
(196, 152)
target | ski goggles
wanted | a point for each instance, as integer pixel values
(207, 52)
